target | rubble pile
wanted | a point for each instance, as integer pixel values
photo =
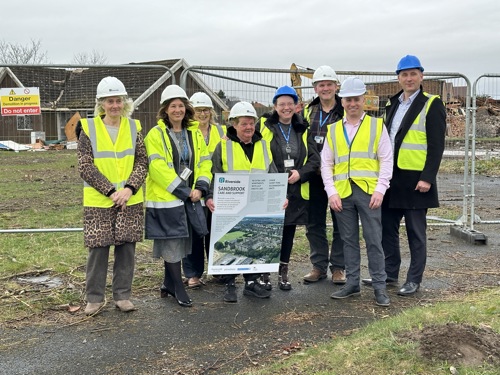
(487, 123)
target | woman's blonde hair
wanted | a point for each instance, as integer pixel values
(128, 106)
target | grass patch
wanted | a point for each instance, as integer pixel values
(389, 346)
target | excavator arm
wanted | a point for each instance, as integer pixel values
(296, 78)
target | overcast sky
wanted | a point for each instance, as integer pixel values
(447, 36)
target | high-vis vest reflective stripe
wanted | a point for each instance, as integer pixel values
(216, 133)
(114, 160)
(413, 151)
(268, 135)
(358, 162)
(307, 113)
(234, 159)
(158, 197)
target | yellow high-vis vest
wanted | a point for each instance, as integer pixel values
(413, 151)
(114, 160)
(234, 159)
(359, 162)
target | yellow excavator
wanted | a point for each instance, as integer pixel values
(371, 100)
(296, 78)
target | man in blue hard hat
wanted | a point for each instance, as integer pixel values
(416, 122)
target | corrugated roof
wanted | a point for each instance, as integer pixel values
(75, 88)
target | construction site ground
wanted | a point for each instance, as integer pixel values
(214, 337)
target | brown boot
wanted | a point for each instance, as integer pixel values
(338, 276)
(125, 305)
(93, 308)
(283, 282)
(314, 275)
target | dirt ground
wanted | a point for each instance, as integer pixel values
(216, 338)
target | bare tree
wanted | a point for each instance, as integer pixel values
(89, 58)
(15, 53)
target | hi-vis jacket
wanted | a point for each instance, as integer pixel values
(413, 150)
(359, 162)
(216, 133)
(115, 161)
(230, 157)
(306, 162)
(402, 192)
(166, 192)
(268, 127)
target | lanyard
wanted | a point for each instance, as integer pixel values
(288, 148)
(321, 122)
(182, 148)
(345, 131)
(287, 137)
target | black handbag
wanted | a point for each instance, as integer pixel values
(196, 217)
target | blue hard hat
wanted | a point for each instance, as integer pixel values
(286, 90)
(409, 62)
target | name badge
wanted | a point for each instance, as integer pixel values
(319, 139)
(186, 173)
(289, 163)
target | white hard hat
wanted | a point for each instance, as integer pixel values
(200, 99)
(324, 73)
(110, 86)
(172, 92)
(352, 86)
(242, 109)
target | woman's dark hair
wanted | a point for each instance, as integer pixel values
(188, 116)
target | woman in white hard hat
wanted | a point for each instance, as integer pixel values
(193, 264)
(179, 176)
(113, 163)
(294, 152)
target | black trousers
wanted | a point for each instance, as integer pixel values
(416, 230)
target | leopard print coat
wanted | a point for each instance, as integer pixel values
(111, 226)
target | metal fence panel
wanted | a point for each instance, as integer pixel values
(69, 90)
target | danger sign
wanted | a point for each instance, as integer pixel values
(20, 101)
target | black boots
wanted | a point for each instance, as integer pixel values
(283, 282)
(174, 286)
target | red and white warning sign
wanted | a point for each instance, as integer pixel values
(20, 101)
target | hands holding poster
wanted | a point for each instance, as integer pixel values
(247, 224)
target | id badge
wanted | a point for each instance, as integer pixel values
(319, 139)
(185, 174)
(289, 163)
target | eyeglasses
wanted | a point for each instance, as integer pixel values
(285, 105)
(202, 110)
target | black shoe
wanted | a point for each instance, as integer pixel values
(381, 297)
(254, 289)
(347, 291)
(389, 281)
(188, 303)
(230, 295)
(165, 292)
(409, 288)
(265, 281)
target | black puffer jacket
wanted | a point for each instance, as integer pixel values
(298, 207)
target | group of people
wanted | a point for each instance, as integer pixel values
(362, 168)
